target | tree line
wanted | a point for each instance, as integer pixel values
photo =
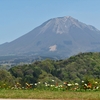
(79, 67)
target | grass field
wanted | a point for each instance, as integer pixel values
(46, 94)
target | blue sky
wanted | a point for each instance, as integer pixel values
(18, 17)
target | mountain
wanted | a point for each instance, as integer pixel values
(57, 37)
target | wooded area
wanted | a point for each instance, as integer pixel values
(84, 66)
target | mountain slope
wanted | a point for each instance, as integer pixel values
(62, 36)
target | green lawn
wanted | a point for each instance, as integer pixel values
(46, 94)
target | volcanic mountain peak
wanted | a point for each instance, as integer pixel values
(61, 25)
(61, 36)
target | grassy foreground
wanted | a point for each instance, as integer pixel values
(43, 94)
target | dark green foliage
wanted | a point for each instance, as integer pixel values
(6, 78)
(74, 69)
(26, 73)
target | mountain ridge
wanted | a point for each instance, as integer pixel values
(63, 36)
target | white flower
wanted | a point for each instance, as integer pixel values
(31, 84)
(45, 83)
(35, 84)
(52, 85)
(56, 87)
(82, 81)
(39, 82)
(96, 82)
(22, 87)
(85, 84)
(69, 84)
(76, 84)
(60, 86)
(97, 87)
(53, 80)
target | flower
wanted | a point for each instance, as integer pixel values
(52, 85)
(60, 86)
(96, 82)
(69, 84)
(45, 83)
(97, 87)
(76, 84)
(35, 84)
(82, 81)
(85, 84)
(31, 84)
(39, 82)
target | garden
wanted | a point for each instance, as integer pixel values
(84, 90)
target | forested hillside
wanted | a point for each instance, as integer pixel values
(73, 69)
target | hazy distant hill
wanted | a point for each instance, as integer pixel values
(62, 36)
